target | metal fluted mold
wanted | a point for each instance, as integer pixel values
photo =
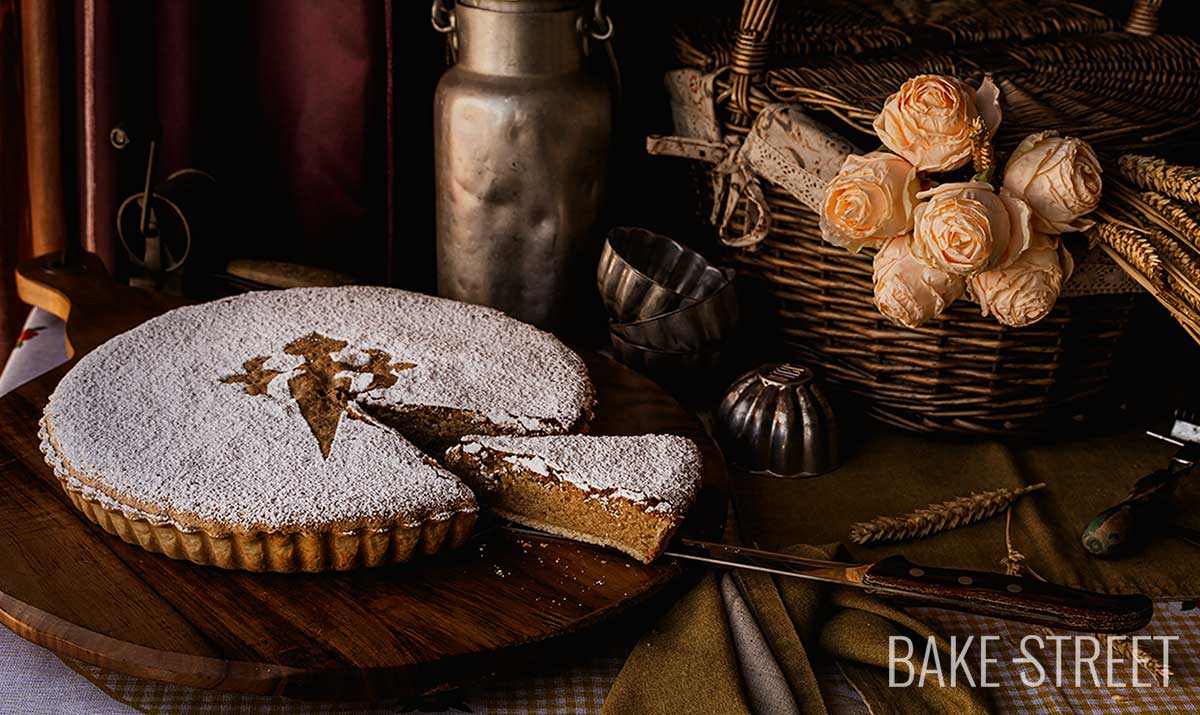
(697, 326)
(659, 361)
(642, 275)
(776, 420)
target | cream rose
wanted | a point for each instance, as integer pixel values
(871, 199)
(928, 121)
(1059, 177)
(907, 291)
(1024, 292)
(965, 228)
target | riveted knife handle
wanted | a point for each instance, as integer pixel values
(1018, 598)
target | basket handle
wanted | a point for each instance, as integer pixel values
(750, 53)
(1143, 17)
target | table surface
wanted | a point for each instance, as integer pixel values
(35, 681)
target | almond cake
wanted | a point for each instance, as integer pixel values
(287, 430)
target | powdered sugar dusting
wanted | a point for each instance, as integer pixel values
(145, 418)
(660, 472)
(533, 464)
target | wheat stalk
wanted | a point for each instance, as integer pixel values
(1181, 259)
(1014, 561)
(942, 516)
(983, 154)
(1148, 662)
(1180, 182)
(1182, 290)
(1176, 214)
(1134, 248)
(1124, 648)
(1014, 565)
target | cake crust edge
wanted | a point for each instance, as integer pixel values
(334, 547)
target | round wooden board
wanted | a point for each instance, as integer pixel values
(67, 585)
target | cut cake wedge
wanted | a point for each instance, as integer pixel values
(628, 493)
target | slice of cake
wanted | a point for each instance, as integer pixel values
(630, 493)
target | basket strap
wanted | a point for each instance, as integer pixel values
(785, 147)
(750, 54)
(710, 152)
(733, 178)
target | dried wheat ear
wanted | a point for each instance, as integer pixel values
(938, 517)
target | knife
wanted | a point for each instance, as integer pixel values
(1120, 530)
(1014, 598)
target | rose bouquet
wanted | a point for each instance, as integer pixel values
(940, 240)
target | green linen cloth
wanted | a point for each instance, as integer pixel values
(688, 663)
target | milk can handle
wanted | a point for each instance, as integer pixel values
(442, 16)
(599, 27)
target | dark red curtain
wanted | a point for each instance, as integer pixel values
(14, 202)
(283, 102)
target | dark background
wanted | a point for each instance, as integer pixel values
(256, 93)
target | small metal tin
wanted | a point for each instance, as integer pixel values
(698, 326)
(656, 362)
(642, 274)
(776, 420)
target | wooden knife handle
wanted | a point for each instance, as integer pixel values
(1017, 598)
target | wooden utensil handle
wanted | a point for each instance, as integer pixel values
(1015, 598)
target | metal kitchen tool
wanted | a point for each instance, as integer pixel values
(521, 142)
(1124, 528)
(663, 362)
(1016, 598)
(696, 326)
(642, 274)
(157, 225)
(776, 420)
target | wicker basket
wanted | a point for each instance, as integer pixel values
(1060, 65)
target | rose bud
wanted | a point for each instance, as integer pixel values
(1059, 177)
(1024, 292)
(965, 228)
(928, 121)
(907, 291)
(871, 199)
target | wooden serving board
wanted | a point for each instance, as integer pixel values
(69, 586)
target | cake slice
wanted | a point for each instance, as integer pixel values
(629, 493)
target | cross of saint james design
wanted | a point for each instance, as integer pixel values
(321, 388)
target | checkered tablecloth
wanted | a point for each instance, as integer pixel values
(1181, 695)
(577, 688)
(35, 682)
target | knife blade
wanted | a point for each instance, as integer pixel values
(1015, 598)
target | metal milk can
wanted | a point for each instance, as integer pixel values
(521, 138)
